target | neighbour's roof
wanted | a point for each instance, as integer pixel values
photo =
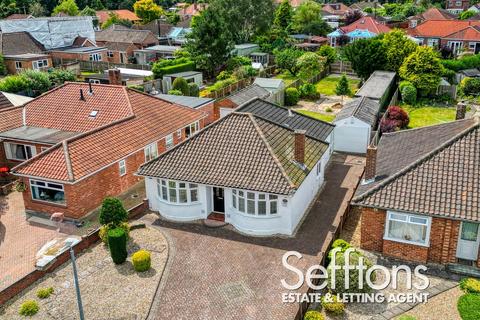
(116, 33)
(135, 120)
(12, 100)
(183, 74)
(163, 48)
(471, 72)
(103, 15)
(16, 43)
(15, 16)
(471, 33)
(37, 134)
(431, 170)
(191, 102)
(193, 9)
(269, 82)
(250, 153)
(73, 49)
(27, 56)
(362, 108)
(119, 46)
(246, 45)
(10, 118)
(440, 28)
(248, 93)
(376, 85)
(317, 129)
(366, 23)
(434, 13)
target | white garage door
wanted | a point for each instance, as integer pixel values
(351, 139)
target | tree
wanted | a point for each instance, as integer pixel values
(113, 18)
(38, 82)
(328, 52)
(308, 19)
(343, 87)
(287, 59)
(466, 14)
(397, 48)
(97, 5)
(173, 18)
(366, 56)
(352, 16)
(283, 15)
(210, 41)
(309, 65)
(87, 11)
(181, 84)
(423, 69)
(66, 6)
(7, 7)
(36, 9)
(147, 10)
(112, 212)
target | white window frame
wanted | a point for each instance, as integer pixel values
(10, 156)
(110, 54)
(95, 56)
(18, 65)
(122, 167)
(408, 219)
(151, 151)
(165, 188)
(47, 185)
(39, 64)
(268, 198)
(169, 142)
(193, 129)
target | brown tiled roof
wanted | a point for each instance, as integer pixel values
(117, 33)
(151, 120)
(240, 151)
(16, 43)
(10, 118)
(119, 46)
(433, 170)
(434, 14)
(440, 28)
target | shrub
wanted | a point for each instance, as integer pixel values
(141, 260)
(29, 308)
(308, 91)
(291, 96)
(470, 285)
(340, 243)
(354, 275)
(117, 242)
(398, 114)
(181, 84)
(13, 84)
(112, 211)
(403, 84)
(468, 306)
(59, 76)
(388, 125)
(193, 90)
(466, 62)
(223, 75)
(238, 61)
(44, 292)
(163, 67)
(175, 92)
(328, 109)
(244, 72)
(409, 94)
(470, 86)
(334, 306)
(313, 315)
(329, 52)
(221, 84)
(37, 81)
(103, 232)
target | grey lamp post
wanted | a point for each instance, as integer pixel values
(77, 286)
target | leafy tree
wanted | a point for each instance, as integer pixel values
(210, 41)
(470, 86)
(366, 56)
(37, 82)
(287, 59)
(466, 14)
(309, 65)
(237, 61)
(328, 52)
(59, 76)
(87, 11)
(113, 18)
(181, 85)
(147, 10)
(283, 15)
(173, 18)
(352, 16)
(423, 69)
(3, 68)
(112, 212)
(13, 84)
(66, 6)
(97, 5)
(36, 9)
(7, 7)
(292, 95)
(307, 19)
(343, 87)
(397, 48)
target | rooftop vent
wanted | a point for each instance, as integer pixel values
(82, 97)
(93, 113)
(90, 89)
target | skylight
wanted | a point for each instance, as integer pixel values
(93, 114)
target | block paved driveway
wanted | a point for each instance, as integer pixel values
(217, 273)
(19, 241)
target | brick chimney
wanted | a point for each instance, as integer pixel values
(371, 165)
(114, 76)
(461, 110)
(216, 110)
(299, 151)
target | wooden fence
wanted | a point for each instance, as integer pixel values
(103, 65)
(342, 67)
(234, 87)
(299, 82)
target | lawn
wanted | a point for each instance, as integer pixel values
(422, 116)
(317, 115)
(287, 77)
(328, 84)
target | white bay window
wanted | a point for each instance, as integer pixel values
(408, 228)
(254, 203)
(177, 192)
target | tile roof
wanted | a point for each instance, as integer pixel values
(440, 28)
(293, 3)
(10, 118)
(5, 102)
(80, 156)
(16, 43)
(366, 23)
(269, 82)
(15, 16)
(117, 33)
(239, 151)
(248, 93)
(119, 46)
(432, 170)
(61, 108)
(193, 9)
(434, 13)
(103, 15)
(471, 33)
(361, 108)
(376, 85)
(316, 129)
(335, 8)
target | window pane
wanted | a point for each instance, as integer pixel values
(159, 189)
(164, 183)
(193, 195)
(241, 204)
(173, 194)
(261, 196)
(50, 195)
(193, 185)
(164, 193)
(251, 195)
(273, 207)
(400, 217)
(182, 195)
(272, 197)
(262, 208)
(469, 231)
(172, 184)
(251, 206)
(407, 231)
(418, 220)
(182, 185)
(234, 200)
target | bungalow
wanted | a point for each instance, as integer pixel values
(420, 194)
(262, 179)
(79, 53)
(236, 99)
(365, 27)
(190, 76)
(79, 143)
(433, 13)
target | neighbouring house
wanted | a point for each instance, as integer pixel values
(457, 6)
(103, 15)
(354, 125)
(177, 36)
(432, 13)
(294, 3)
(190, 76)
(455, 34)
(276, 87)
(363, 28)
(15, 16)
(475, 8)
(207, 105)
(79, 143)
(262, 179)
(79, 53)
(122, 42)
(337, 9)
(419, 196)
(228, 104)
(8, 100)
(154, 53)
(194, 9)
(21, 52)
(362, 5)
(124, 79)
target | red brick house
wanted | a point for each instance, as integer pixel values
(73, 147)
(457, 6)
(433, 13)
(420, 195)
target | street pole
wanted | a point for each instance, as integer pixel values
(77, 286)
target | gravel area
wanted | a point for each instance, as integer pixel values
(108, 291)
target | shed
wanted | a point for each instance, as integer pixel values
(275, 86)
(354, 125)
(190, 76)
(245, 49)
(378, 86)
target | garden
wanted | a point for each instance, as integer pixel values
(118, 277)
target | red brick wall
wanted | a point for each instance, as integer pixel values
(405, 251)
(212, 114)
(11, 163)
(26, 64)
(372, 229)
(76, 56)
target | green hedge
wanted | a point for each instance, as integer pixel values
(117, 242)
(188, 66)
(467, 62)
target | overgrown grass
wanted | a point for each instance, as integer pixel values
(317, 115)
(328, 84)
(421, 116)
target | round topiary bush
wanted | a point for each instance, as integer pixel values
(44, 292)
(403, 84)
(181, 85)
(292, 96)
(468, 306)
(409, 94)
(29, 308)
(339, 243)
(313, 315)
(470, 285)
(117, 242)
(332, 305)
(112, 211)
(141, 260)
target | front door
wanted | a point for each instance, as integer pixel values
(218, 200)
(477, 48)
(468, 241)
